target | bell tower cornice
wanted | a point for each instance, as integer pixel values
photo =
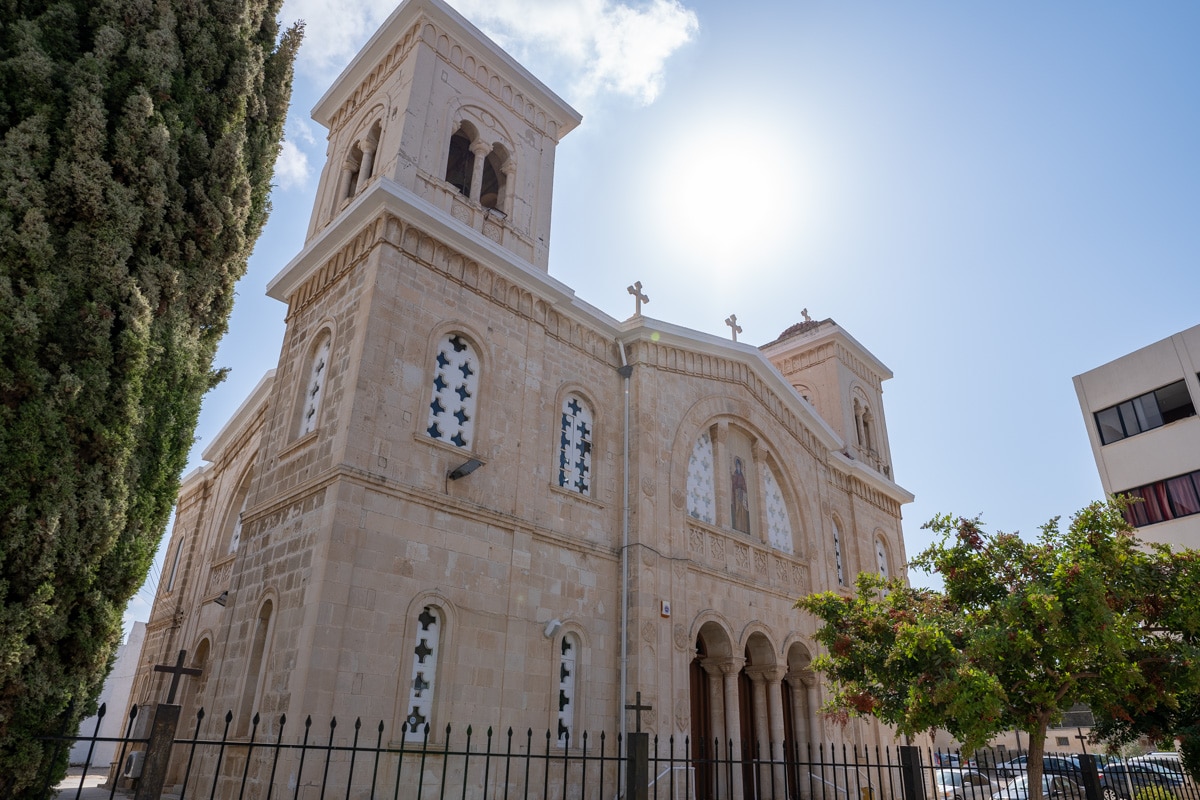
(461, 45)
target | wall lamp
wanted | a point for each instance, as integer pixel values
(222, 598)
(464, 469)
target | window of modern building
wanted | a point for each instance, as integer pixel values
(1144, 412)
(455, 386)
(575, 445)
(424, 674)
(1164, 500)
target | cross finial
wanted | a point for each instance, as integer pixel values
(804, 313)
(176, 671)
(639, 298)
(731, 321)
(637, 708)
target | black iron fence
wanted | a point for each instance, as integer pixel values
(290, 760)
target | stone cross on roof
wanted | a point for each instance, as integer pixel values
(636, 291)
(731, 321)
(804, 313)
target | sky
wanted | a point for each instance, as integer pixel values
(992, 198)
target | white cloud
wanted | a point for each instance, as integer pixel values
(333, 32)
(597, 46)
(291, 168)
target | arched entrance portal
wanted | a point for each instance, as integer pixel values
(739, 717)
(714, 694)
(802, 733)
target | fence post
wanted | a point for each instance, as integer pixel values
(637, 771)
(912, 780)
(158, 752)
(1091, 776)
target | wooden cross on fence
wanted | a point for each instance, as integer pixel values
(639, 298)
(638, 708)
(176, 671)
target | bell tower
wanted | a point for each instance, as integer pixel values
(433, 110)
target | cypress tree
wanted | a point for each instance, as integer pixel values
(139, 140)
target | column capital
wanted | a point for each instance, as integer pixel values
(802, 676)
(723, 665)
(771, 673)
(480, 148)
(368, 145)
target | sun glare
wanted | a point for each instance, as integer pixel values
(729, 193)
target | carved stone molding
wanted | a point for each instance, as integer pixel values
(681, 637)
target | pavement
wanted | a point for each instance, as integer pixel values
(90, 786)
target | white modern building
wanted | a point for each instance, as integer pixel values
(1140, 412)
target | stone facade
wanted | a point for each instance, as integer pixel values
(467, 497)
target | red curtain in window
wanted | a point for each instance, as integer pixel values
(1135, 513)
(1158, 508)
(1184, 498)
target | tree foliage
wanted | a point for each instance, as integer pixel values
(1020, 633)
(139, 140)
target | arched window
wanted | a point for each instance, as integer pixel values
(701, 481)
(492, 189)
(837, 554)
(881, 558)
(863, 422)
(424, 674)
(233, 524)
(256, 667)
(575, 445)
(779, 523)
(455, 386)
(175, 565)
(568, 666)
(314, 388)
(460, 163)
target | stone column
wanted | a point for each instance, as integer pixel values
(510, 183)
(760, 454)
(730, 668)
(760, 713)
(367, 164)
(774, 676)
(480, 150)
(716, 710)
(721, 467)
(343, 190)
(796, 696)
(814, 705)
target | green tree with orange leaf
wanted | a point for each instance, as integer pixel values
(1021, 631)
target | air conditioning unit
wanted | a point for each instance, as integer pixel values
(133, 764)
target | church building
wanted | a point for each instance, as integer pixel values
(465, 496)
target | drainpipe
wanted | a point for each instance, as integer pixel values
(625, 371)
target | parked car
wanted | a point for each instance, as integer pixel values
(1123, 781)
(1051, 765)
(962, 784)
(1167, 760)
(1054, 787)
(947, 758)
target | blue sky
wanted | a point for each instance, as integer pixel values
(990, 197)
